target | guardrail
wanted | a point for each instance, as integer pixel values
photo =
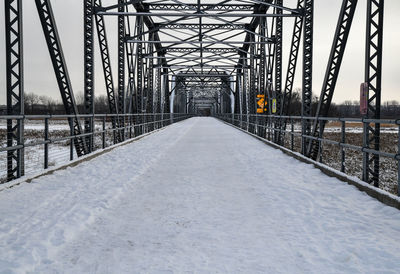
(290, 136)
(48, 140)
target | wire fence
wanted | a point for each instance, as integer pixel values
(342, 145)
(49, 140)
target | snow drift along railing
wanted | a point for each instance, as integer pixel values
(49, 141)
(343, 145)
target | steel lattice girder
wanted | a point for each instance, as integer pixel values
(203, 26)
(15, 86)
(194, 7)
(307, 69)
(57, 57)
(278, 68)
(88, 20)
(291, 70)
(335, 61)
(107, 69)
(373, 77)
(121, 66)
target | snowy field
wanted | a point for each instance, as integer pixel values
(197, 197)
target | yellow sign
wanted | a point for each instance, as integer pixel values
(261, 103)
(273, 105)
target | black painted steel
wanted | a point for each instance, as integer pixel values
(307, 69)
(373, 77)
(15, 86)
(49, 27)
(332, 73)
(88, 19)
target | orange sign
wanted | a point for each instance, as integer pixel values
(261, 103)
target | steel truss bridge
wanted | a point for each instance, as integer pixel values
(179, 58)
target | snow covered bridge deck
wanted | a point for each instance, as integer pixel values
(197, 196)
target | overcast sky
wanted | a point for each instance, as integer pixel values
(40, 79)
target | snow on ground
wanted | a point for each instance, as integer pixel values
(199, 196)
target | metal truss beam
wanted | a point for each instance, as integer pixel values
(197, 15)
(278, 65)
(130, 57)
(121, 66)
(150, 80)
(194, 7)
(88, 20)
(212, 50)
(307, 70)
(15, 86)
(116, 6)
(335, 61)
(57, 58)
(373, 77)
(167, 106)
(203, 26)
(197, 42)
(140, 65)
(291, 69)
(252, 80)
(107, 69)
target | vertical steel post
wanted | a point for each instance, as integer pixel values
(103, 135)
(252, 90)
(342, 151)
(291, 69)
(121, 66)
(15, 86)
(72, 140)
(150, 83)
(278, 68)
(398, 163)
(373, 77)
(320, 145)
(46, 144)
(292, 135)
(88, 69)
(107, 70)
(307, 71)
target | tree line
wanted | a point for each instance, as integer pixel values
(347, 109)
(35, 104)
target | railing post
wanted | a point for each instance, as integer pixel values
(71, 141)
(320, 148)
(92, 133)
(269, 128)
(292, 135)
(342, 152)
(130, 126)
(365, 154)
(46, 145)
(398, 161)
(103, 135)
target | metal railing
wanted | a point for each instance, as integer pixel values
(48, 140)
(334, 143)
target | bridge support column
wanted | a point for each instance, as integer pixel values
(373, 77)
(307, 71)
(15, 87)
(89, 70)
